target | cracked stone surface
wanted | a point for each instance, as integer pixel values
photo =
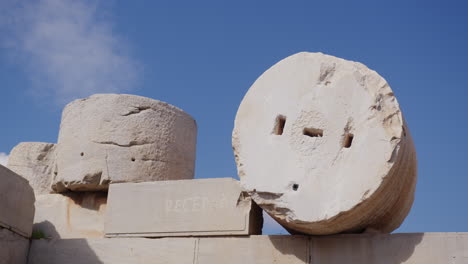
(110, 138)
(322, 146)
(35, 162)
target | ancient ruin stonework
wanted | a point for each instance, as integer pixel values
(122, 138)
(16, 217)
(16, 203)
(201, 207)
(35, 162)
(71, 215)
(322, 146)
(417, 248)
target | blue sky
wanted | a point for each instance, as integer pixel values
(202, 56)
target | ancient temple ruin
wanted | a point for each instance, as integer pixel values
(320, 143)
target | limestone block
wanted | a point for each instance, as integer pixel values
(254, 249)
(13, 248)
(419, 248)
(16, 203)
(123, 138)
(112, 251)
(71, 215)
(204, 207)
(34, 161)
(322, 146)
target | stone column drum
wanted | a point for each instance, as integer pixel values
(122, 138)
(322, 146)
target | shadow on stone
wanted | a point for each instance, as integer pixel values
(296, 247)
(88, 200)
(13, 247)
(364, 248)
(56, 250)
(356, 248)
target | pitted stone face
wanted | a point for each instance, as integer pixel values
(123, 138)
(321, 145)
(34, 161)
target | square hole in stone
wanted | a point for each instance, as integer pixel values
(312, 132)
(280, 122)
(348, 140)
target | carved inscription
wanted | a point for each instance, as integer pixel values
(195, 204)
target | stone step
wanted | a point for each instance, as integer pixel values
(418, 248)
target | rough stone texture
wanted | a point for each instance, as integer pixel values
(13, 248)
(123, 138)
(34, 161)
(419, 248)
(16, 203)
(203, 207)
(322, 146)
(72, 215)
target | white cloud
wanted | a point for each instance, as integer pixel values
(68, 48)
(3, 159)
(271, 227)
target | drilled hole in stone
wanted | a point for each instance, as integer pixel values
(133, 159)
(348, 140)
(312, 132)
(81, 154)
(295, 187)
(280, 122)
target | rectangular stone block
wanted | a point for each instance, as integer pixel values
(420, 248)
(253, 249)
(112, 251)
(204, 207)
(13, 247)
(16, 203)
(71, 215)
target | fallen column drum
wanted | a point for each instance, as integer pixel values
(322, 146)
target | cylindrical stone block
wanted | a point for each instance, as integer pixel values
(322, 146)
(110, 138)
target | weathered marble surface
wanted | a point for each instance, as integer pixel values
(123, 138)
(202, 207)
(34, 161)
(322, 146)
(71, 215)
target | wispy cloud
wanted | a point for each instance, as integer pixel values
(3, 159)
(69, 48)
